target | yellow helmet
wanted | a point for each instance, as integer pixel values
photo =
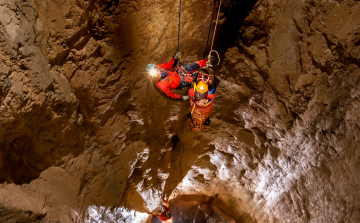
(201, 87)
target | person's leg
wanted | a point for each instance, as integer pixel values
(185, 81)
(189, 68)
(192, 67)
(188, 81)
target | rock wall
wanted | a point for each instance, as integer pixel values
(286, 143)
(75, 101)
(86, 137)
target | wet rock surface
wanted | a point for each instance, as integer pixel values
(86, 137)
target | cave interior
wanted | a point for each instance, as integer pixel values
(86, 136)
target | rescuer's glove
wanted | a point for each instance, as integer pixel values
(186, 97)
(177, 56)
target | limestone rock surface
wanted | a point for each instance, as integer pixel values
(86, 137)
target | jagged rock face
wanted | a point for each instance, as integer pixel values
(302, 78)
(85, 136)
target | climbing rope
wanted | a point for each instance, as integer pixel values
(208, 63)
(212, 42)
(179, 28)
(196, 213)
(212, 17)
(217, 19)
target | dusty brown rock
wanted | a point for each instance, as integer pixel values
(300, 95)
(85, 137)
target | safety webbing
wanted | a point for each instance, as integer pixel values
(192, 109)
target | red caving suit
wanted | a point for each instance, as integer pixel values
(171, 79)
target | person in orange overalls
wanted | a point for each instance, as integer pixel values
(166, 78)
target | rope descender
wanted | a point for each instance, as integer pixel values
(208, 62)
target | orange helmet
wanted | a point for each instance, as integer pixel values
(201, 87)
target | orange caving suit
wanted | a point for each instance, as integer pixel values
(171, 79)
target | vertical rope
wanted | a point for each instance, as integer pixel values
(217, 18)
(212, 17)
(179, 28)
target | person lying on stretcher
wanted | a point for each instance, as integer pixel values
(202, 94)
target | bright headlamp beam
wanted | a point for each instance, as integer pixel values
(153, 72)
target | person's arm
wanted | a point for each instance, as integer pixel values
(172, 95)
(191, 93)
(202, 63)
(164, 88)
(169, 65)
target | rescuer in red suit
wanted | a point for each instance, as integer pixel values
(165, 216)
(166, 78)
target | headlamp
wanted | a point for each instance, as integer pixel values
(153, 72)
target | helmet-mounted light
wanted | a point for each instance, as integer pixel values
(153, 72)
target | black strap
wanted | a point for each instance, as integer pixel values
(195, 76)
(207, 121)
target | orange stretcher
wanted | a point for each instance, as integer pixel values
(200, 113)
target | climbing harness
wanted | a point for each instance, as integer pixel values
(206, 77)
(203, 79)
(181, 71)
